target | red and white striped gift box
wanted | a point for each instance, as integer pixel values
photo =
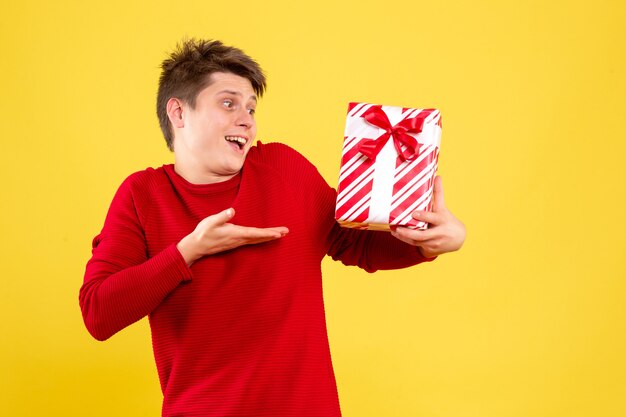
(388, 166)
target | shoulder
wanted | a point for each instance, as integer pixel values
(145, 179)
(280, 156)
(142, 185)
(139, 190)
(291, 167)
(274, 150)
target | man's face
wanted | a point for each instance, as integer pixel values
(219, 131)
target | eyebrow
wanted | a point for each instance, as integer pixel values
(237, 93)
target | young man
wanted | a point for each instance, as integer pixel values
(223, 249)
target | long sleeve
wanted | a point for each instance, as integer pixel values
(369, 250)
(121, 284)
(372, 250)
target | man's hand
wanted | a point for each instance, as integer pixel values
(213, 234)
(445, 232)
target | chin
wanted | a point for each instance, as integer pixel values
(233, 169)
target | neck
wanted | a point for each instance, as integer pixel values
(193, 173)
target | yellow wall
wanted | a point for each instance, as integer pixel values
(529, 319)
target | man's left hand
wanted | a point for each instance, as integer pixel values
(445, 232)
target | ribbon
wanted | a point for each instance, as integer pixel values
(400, 134)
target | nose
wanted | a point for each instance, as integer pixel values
(245, 119)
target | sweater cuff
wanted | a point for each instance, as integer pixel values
(415, 256)
(178, 262)
(424, 259)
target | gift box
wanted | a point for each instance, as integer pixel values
(388, 166)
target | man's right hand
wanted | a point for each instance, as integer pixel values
(213, 234)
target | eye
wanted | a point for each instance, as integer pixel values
(228, 104)
(252, 112)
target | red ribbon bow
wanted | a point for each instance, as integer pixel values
(400, 133)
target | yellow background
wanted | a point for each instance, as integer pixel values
(529, 319)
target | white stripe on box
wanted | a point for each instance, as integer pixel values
(351, 164)
(354, 163)
(349, 144)
(358, 107)
(384, 171)
(357, 209)
(415, 182)
(402, 169)
(355, 186)
(420, 204)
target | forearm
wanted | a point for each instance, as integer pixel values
(112, 299)
(372, 250)
(386, 252)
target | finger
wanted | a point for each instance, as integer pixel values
(418, 236)
(438, 200)
(283, 230)
(403, 239)
(222, 217)
(258, 240)
(427, 216)
(252, 233)
(413, 242)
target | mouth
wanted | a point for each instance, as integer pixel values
(238, 141)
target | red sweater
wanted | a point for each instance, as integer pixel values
(243, 332)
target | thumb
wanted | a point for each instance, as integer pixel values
(223, 216)
(438, 200)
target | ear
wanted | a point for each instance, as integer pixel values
(175, 112)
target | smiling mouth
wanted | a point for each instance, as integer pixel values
(237, 140)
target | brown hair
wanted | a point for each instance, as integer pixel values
(188, 69)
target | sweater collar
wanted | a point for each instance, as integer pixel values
(216, 187)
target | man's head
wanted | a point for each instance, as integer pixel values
(188, 71)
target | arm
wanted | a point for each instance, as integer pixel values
(121, 284)
(368, 250)
(372, 250)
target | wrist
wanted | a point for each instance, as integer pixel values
(187, 249)
(426, 254)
